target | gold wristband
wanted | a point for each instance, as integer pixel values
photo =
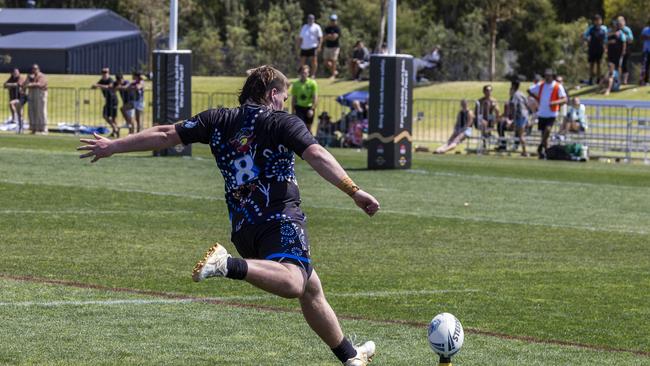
(347, 185)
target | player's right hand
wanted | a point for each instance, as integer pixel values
(366, 202)
(98, 148)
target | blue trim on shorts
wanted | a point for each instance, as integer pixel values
(287, 255)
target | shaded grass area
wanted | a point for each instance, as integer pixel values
(549, 250)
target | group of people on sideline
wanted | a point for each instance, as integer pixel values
(546, 102)
(616, 43)
(132, 95)
(30, 90)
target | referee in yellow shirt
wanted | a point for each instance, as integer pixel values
(304, 98)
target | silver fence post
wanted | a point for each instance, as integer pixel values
(77, 111)
(628, 147)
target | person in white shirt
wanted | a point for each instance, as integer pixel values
(550, 96)
(575, 120)
(310, 41)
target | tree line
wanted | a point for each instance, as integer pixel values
(227, 37)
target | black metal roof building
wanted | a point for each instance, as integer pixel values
(69, 41)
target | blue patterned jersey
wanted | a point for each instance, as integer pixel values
(254, 150)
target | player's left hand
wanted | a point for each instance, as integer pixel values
(98, 148)
(366, 202)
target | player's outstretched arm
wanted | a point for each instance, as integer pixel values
(155, 138)
(326, 165)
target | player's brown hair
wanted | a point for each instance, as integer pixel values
(260, 81)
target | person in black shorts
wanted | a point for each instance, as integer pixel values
(121, 88)
(254, 147)
(17, 97)
(616, 45)
(596, 39)
(109, 112)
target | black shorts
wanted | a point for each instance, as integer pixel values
(545, 122)
(302, 113)
(595, 55)
(308, 53)
(614, 58)
(283, 240)
(110, 111)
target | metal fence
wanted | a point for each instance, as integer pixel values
(616, 128)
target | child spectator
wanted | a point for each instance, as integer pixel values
(612, 82)
(576, 118)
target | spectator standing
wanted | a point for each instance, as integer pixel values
(487, 114)
(550, 96)
(629, 39)
(136, 95)
(360, 60)
(304, 100)
(517, 115)
(310, 41)
(332, 46)
(645, 68)
(462, 129)
(596, 38)
(121, 87)
(616, 45)
(17, 97)
(109, 112)
(37, 108)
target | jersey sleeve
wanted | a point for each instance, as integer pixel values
(534, 89)
(198, 128)
(293, 133)
(561, 92)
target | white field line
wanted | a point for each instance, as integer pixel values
(94, 302)
(384, 211)
(370, 294)
(90, 212)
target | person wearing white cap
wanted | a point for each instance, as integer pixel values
(332, 46)
(310, 41)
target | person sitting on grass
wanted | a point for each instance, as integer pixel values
(576, 118)
(462, 129)
(612, 81)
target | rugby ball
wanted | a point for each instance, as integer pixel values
(446, 335)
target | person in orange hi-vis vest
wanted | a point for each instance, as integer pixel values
(550, 96)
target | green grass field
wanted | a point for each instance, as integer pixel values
(547, 264)
(446, 90)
